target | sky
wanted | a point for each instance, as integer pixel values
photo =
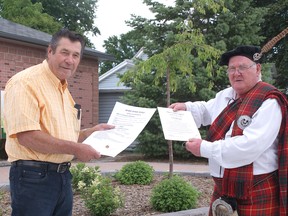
(111, 16)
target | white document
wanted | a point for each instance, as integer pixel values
(129, 121)
(179, 125)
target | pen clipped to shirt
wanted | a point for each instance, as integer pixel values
(78, 107)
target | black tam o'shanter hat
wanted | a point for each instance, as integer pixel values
(247, 51)
(252, 52)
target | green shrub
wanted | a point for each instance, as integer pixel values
(83, 175)
(173, 194)
(138, 172)
(101, 198)
(98, 193)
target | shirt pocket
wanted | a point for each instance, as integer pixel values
(76, 119)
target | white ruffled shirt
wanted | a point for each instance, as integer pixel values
(258, 144)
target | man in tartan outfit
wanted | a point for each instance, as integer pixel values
(246, 144)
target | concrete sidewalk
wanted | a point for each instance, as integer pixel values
(107, 167)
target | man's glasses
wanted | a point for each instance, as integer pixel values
(241, 69)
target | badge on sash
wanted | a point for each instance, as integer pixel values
(243, 121)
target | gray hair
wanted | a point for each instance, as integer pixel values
(65, 33)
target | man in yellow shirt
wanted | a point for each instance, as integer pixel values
(42, 122)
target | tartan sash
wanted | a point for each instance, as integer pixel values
(282, 152)
(237, 181)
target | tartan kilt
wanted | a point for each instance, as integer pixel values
(263, 199)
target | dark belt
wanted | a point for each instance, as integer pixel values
(256, 178)
(54, 167)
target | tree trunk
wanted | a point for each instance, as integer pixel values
(169, 142)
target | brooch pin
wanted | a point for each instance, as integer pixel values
(243, 121)
(257, 56)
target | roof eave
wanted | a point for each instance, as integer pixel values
(88, 52)
(23, 39)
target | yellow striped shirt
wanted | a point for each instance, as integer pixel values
(35, 99)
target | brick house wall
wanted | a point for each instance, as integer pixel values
(16, 56)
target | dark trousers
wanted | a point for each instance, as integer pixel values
(40, 192)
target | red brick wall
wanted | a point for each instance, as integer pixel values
(83, 86)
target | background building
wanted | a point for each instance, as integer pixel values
(110, 87)
(22, 47)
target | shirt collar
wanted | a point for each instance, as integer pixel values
(231, 95)
(58, 84)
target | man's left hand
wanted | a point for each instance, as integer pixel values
(88, 131)
(102, 126)
(193, 145)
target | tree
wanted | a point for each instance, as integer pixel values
(153, 34)
(275, 22)
(51, 15)
(174, 62)
(201, 82)
(238, 25)
(73, 14)
(28, 14)
(121, 48)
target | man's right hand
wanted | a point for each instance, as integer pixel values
(45, 143)
(86, 153)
